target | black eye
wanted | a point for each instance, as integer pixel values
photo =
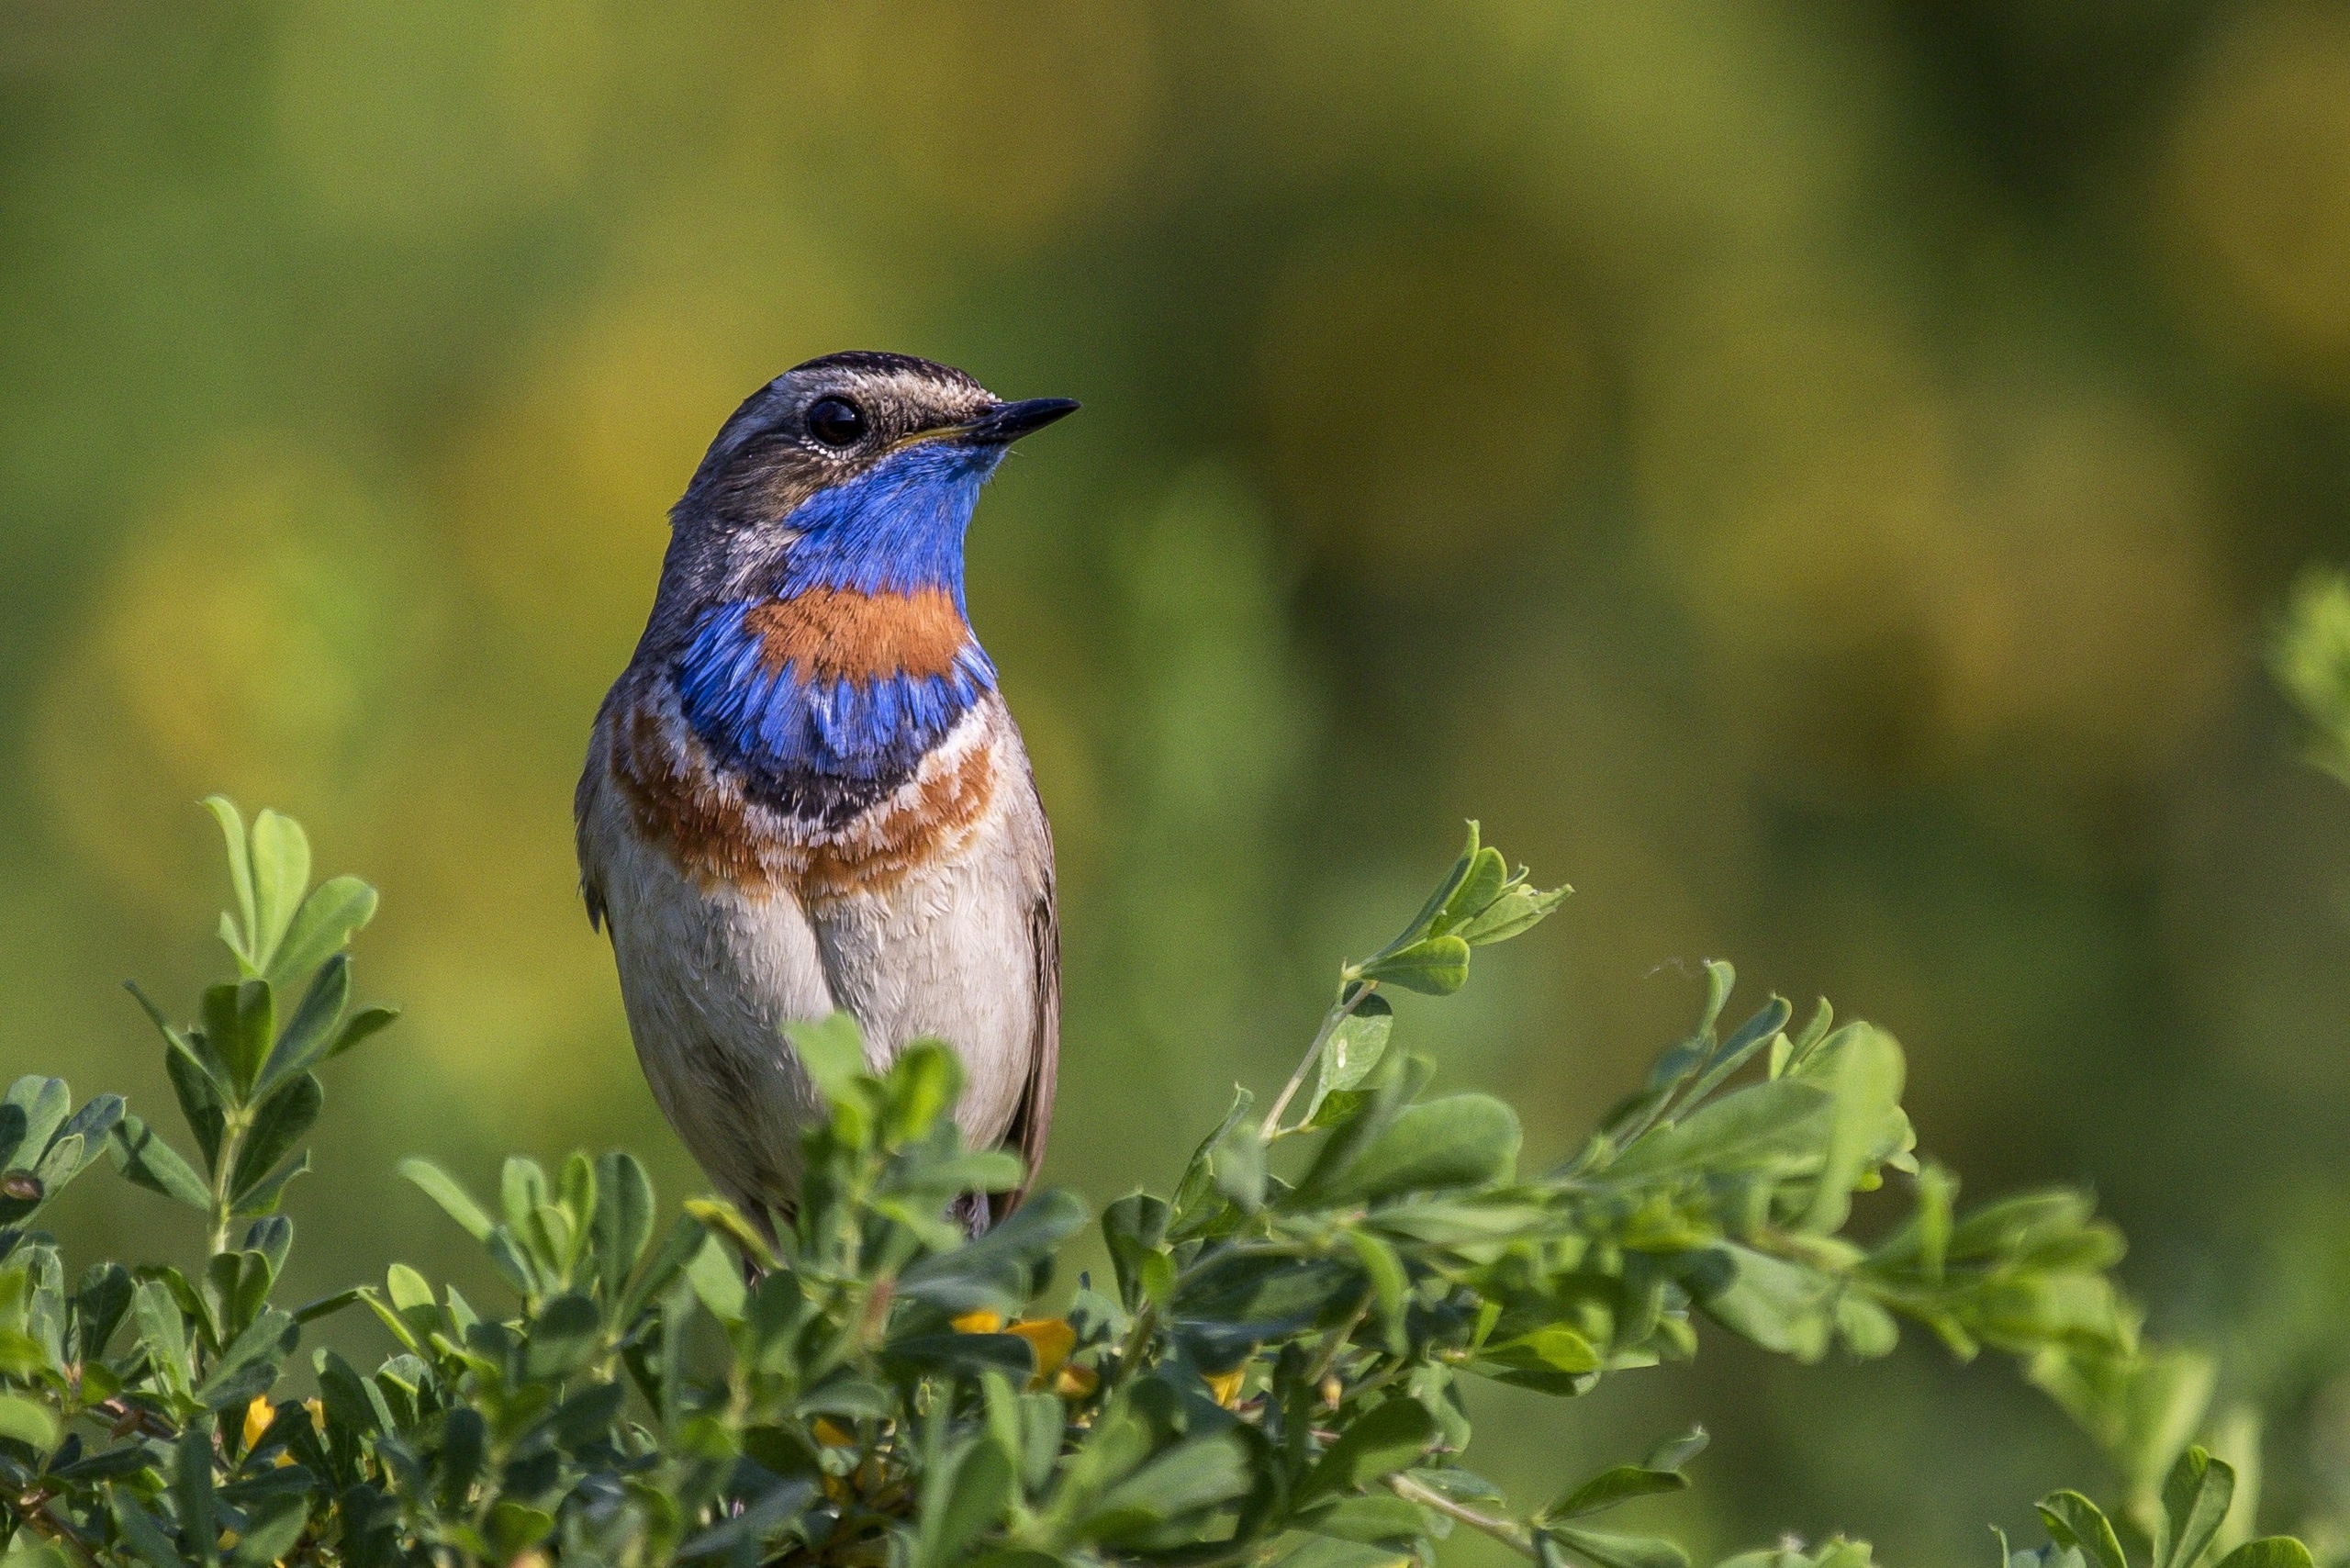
(836, 421)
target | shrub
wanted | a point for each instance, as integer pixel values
(1273, 1375)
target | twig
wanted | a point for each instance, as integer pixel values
(1271, 1128)
(1510, 1532)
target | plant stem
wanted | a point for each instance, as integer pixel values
(232, 1139)
(1137, 1341)
(1337, 1340)
(1510, 1532)
(1337, 1014)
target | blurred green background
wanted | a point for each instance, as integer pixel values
(1813, 475)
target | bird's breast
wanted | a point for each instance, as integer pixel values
(819, 837)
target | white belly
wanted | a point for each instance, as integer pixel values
(710, 972)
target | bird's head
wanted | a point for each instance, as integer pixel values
(857, 472)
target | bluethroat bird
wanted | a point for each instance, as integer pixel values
(805, 792)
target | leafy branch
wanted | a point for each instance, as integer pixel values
(1272, 1374)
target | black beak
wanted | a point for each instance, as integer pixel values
(1010, 421)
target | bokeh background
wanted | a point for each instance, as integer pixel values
(1814, 475)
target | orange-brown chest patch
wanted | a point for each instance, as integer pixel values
(842, 634)
(699, 817)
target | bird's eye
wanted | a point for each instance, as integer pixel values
(836, 421)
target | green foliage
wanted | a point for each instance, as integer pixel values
(2310, 655)
(1273, 1372)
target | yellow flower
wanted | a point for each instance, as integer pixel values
(980, 1322)
(1225, 1386)
(1051, 1339)
(1076, 1382)
(258, 1415)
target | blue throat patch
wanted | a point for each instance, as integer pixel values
(895, 528)
(812, 744)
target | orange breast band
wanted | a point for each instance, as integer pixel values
(828, 633)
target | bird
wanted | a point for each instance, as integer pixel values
(805, 792)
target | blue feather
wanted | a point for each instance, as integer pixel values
(897, 528)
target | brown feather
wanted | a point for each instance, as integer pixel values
(1032, 1124)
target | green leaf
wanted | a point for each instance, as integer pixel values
(924, 1079)
(962, 1501)
(408, 1290)
(564, 1335)
(1461, 1140)
(155, 1165)
(2196, 1498)
(1435, 965)
(328, 1306)
(270, 1535)
(624, 1223)
(145, 1536)
(1376, 1517)
(1861, 1066)
(444, 1189)
(309, 1034)
(661, 1269)
(33, 1425)
(281, 870)
(1237, 1165)
(1741, 1046)
(2142, 1407)
(265, 1342)
(327, 921)
(833, 1051)
(239, 1024)
(1867, 1329)
(717, 1281)
(522, 1191)
(2268, 1551)
(1318, 1551)
(367, 1021)
(1779, 1304)
(1389, 1283)
(192, 1490)
(1769, 1125)
(60, 1165)
(352, 1401)
(164, 1331)
(240, 873)
(516, 1526)
(33, 1109)
(202, 1098)
(1609, 1551)
(1675, 1452)
(278, 1126)
(1384, 1440)
(1353, 1048)
(1610, 1488)
(1517, 911)
(263, 1197)
(2073, 1520)
(1195, 1475)
(1553, 1359)
(1429, 910)
(724, 1219)
(1481, 884)
(100, 1302)
(1193, 1191)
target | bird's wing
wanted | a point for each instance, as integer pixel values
(1032, 1122)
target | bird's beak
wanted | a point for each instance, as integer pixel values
(1008, 421)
